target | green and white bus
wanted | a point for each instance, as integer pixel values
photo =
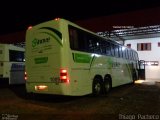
(63, 58)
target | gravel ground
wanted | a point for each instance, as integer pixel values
(139, 101)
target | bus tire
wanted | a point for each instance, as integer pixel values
(107, 84)
(97, 87)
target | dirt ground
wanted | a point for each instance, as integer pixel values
(136, 101)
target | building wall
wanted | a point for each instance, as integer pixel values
(152, 71)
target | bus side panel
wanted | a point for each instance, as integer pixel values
(81, 83)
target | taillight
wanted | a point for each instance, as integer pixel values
(25, 75)
(64, 75)
(30, 27)
(56, 19)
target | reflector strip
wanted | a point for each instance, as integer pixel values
(41, 87)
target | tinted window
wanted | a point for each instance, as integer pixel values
(79, 40)
(112, 49)
(84, 41)
(120, 52)
(108, 48)
(116, 51)
(126, 54)
(16, 56)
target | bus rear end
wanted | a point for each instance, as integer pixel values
(44, 66)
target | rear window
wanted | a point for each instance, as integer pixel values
(16, 56)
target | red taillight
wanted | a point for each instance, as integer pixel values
(64, 75)
(30, 27)
(57, 19)
(25, 75)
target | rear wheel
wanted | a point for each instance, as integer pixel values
(97, 87)
(107, 85)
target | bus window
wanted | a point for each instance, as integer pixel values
(97, 46)
(123, 52)
(82, 46)
(126, 53)
(129, 54)
(103, 47)
(94, 44)
(112, 50)
(73, 39)
(108, 48)
(16, 56)
(78, 40)
(120, 52)
(91, 47)
(116, 51)
(132, 53)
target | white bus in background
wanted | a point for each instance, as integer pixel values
(11, 64)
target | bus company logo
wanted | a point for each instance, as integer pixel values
(37, 42)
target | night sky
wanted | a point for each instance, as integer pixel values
(17, 16)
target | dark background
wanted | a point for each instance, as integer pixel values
(18, 15)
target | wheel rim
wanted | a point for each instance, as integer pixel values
(97, 88)
(107, 86)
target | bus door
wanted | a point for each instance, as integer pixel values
(141, 70)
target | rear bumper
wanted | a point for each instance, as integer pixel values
(51, 88)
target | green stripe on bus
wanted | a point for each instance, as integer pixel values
(81, 58)
(53, 37)
(93, 58)
(59, 34)
(41, 60)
